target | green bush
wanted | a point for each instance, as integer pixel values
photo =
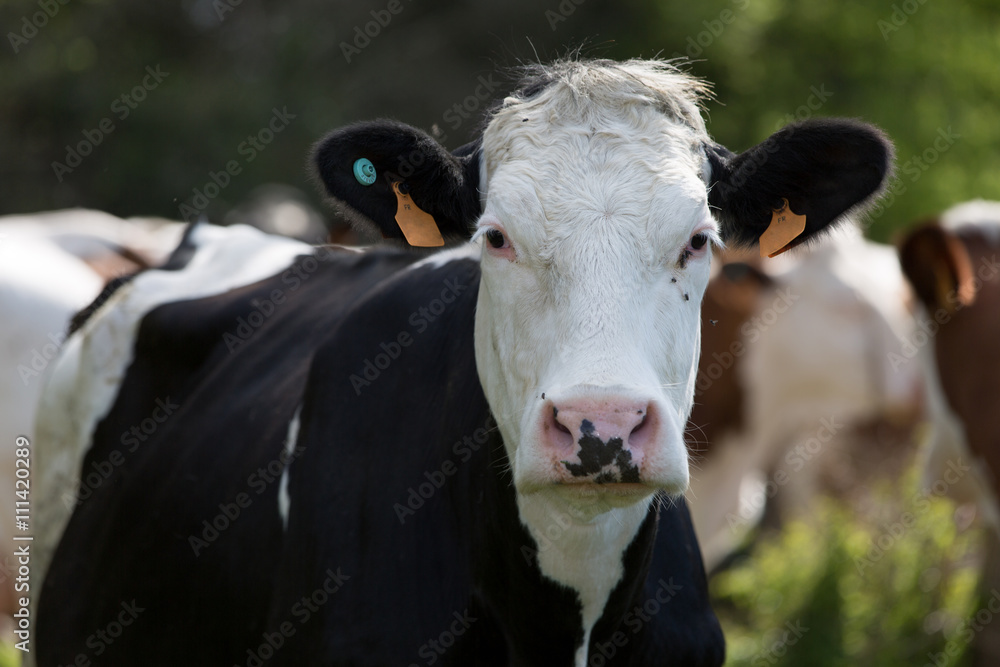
(826, 593)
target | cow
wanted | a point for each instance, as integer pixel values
(795, 370)
(953, 264)
(52, 265)
(466, 456)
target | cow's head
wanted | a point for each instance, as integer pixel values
(596, 194)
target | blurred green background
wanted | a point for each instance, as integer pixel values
(921, 69)
(926, 71)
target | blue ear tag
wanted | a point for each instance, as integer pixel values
(364, 171)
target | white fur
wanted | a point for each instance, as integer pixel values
(983, 214)
(95, 359)
(598, 182)
(284, 500)
(442, 257)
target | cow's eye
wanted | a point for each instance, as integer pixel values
(698, 241)
(495, 238)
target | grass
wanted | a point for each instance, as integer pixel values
(854, 586)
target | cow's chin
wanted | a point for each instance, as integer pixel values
(585, 500)
(553, 482)
(613, 495)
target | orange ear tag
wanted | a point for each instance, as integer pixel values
(417, 225)
(784, 228)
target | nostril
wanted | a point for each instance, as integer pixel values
(559, 425)
(640, 426)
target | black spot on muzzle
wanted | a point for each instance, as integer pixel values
(609, 461)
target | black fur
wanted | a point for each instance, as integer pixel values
(443, 184)
(464, 550)
(824, 167)
(81, 318)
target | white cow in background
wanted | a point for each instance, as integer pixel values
(51, 266)
(815, 363)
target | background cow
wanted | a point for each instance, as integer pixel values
(538, 379)
(954, 266)
(51, 266)
(799, 360)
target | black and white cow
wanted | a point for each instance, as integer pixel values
(310, 456)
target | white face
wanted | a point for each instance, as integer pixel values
(588, 320)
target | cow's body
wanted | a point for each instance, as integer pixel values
(351, 510)
(569, 317)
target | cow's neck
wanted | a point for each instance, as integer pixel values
(583, 553)
(551, 576)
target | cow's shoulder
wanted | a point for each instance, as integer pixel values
(205, 366)
(390, 464)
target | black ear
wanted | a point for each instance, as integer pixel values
(823, 167)
(442, 184)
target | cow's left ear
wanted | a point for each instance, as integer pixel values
(823, 168)
(939, 268)
(378, 170)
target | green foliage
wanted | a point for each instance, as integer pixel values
(915, 67)
(9, 656)
(845, 590)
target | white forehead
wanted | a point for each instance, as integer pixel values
(596, 141)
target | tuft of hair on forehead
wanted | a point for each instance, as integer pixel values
(575, 88)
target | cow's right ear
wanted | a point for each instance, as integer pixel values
(362, 166)
(818, 169)
(937, 264)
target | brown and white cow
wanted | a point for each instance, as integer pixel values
(953, 266)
